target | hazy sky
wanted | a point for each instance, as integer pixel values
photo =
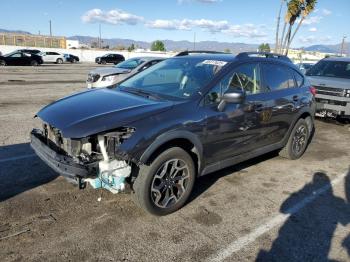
(250, 21)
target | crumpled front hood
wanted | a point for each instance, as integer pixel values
(98, 110)
(109, 71)
(329, 82)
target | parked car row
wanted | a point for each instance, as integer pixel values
(35, 57)
(105, 77)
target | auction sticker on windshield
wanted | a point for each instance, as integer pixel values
(214, 62)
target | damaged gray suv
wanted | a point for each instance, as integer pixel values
(184, 117)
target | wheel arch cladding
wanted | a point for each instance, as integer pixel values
(183, 139)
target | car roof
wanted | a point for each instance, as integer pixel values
(339, 59)
(148, 58)
(221, 57)
(245, 57)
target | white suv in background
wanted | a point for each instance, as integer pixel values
(52, 57)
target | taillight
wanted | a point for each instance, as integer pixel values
(313, 90)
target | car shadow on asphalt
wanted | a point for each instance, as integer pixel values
(21, 171)
(307, 233)
(203, 183)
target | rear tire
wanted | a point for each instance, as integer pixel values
(2, 63)
(34, 63)
(297, 142)
(59, 61)
(165, 185)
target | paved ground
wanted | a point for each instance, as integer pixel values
(266, 209)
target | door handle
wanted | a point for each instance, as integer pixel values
(295, 98)
(258, 107)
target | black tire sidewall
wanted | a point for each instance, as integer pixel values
(2, 63)
(59, 61)
(144, 194)
(33, 63)
(301, 122)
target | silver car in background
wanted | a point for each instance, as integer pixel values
(331, 78)
(109, 76)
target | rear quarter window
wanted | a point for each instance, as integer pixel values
(277, 77)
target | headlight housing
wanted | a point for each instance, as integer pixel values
(109, 78)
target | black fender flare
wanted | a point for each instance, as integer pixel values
(171, 135)
(295, 120)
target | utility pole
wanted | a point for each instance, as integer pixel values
(342, 46)
(50, 28)
(194, 41)
(100, 39)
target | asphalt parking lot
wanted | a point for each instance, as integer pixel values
(266, 209)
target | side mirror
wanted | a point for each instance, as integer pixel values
(235, 97)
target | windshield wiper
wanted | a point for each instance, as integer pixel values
(143, 93)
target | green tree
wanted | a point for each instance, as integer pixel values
(265, 48)
(227, 50)
(131, 47)
(158, 46)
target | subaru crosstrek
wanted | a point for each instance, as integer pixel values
(182, 118)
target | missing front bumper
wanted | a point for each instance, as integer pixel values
(62, 164)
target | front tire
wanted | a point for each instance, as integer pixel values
(103, 62)
(59, 61)
(2, 63)
(297, 142)
(165, 185)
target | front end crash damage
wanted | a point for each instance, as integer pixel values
(96, 159)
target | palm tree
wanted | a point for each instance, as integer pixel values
(307, 7)
(293, 12)
(278, 27)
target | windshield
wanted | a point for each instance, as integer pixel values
(307, 66)
(12, 53)
(178, 78)
(338, 69)
(130, 63)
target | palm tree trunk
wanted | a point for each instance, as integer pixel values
(296, 30)
(287, 37)
(281, 40)
(278, 26)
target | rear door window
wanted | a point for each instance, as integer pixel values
(277, 77)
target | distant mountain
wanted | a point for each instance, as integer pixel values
(187, 45)
(15, 31)
(113, 42)
(320, 48)
(171, 45)
(329, 48)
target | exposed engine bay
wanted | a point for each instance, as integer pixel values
(106, 168)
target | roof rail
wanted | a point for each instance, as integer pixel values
(189, 52)
(264, 54)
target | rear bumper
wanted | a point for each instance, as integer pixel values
(62, 164)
